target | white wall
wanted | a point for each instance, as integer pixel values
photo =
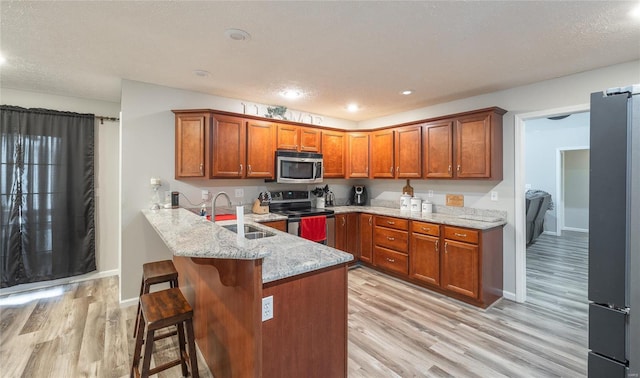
(543, 138)
(106, 167)
(148, 151)
(561, 92)
(576, 193)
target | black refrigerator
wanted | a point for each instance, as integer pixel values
(614, 234)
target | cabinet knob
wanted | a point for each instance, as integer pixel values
(437, 242)
(390, 222)
(344, 222)
(391, 170)
(240, 168)
(249, 168)
(390, 260)
(445, 247)
(201, 166)
(461, 235)
(390, 238)
(426, 229)
(458, 168)
(370, 220)
(397, 169)
(449, 168)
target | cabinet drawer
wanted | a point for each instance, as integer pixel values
(397, 240)
(425, 228)
(389, 222)
(390, 260)
(461, 234)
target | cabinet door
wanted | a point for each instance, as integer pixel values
(408, 152)
(382, 153)
(261, 142)
(473, 146)
(333, 154)
(309, 139)
(366, 237)
(438, 149)
(460, 268)
(424, 258)
(229, 143)
(288, 137)
(352, 235)
(192, 145)
(358, 155)
(341, 232)
(278, 225)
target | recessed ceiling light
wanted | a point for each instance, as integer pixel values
(3, 60)
(406, 92)
(201, 73)
(353, 107)
(237, 35)
(291, 94)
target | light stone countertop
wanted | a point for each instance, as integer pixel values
(285, 255)
(466, 220)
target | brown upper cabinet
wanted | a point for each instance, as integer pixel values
(465, 147)
(261, 146)
(193, 142)
(334, 154)
(358, 155)
(229, 147)
(297, 138)
(397, 152)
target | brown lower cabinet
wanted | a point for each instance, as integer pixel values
(278, 225)
(366, 238)
(347, 234)
(460, 262)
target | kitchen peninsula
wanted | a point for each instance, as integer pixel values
(225, 277)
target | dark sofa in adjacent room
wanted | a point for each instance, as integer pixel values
(537, 204)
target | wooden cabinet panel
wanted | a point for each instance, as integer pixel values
(393, 239)
(408, 152)
(298, 138)
(278, 225)
(460, 268)
(473, 146)
(192, 145)
(424, 258)
(366, 238)
(310, 139)
(425, 228)
(347, 233)
(438, 149)
(288, 137)
(333, 153)
(390, 260)
(382, 154)
(358, 155)
(261, 142)
(461, 234)
(390, 222)
(229, 144)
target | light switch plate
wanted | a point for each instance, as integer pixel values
(239, 193)
(430, 194)
(494, 195)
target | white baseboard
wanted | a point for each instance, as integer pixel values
(586, 230)
(550, 233)
(60, 281)
(509, 295)
(128, 302)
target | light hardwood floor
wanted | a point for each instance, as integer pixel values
(395, 330)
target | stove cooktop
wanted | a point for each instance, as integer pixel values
(305, 212)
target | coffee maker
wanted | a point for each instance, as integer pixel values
(359, 195)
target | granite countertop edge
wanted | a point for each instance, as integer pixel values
(189, 235)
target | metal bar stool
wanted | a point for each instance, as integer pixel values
(162, 309)
(155, 273)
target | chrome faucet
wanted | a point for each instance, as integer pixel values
(213, 204)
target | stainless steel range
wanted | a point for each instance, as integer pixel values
(296, 205)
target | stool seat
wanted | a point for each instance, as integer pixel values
(158, 310)
(158, 272)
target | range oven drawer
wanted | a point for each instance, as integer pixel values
(608, 332)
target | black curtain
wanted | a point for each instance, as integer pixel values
(46, 195)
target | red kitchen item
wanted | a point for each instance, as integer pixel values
(314, 228)
(221, 217)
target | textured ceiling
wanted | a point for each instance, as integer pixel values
(336, 52)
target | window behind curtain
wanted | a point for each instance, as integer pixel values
(46, 195)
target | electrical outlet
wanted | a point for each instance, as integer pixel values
(494, 195)
(239, 193)
(205, 194)
(267, 308)
(430, 194)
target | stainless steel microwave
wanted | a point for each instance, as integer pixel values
(298, 167)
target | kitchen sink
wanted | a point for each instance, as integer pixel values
(250, 232)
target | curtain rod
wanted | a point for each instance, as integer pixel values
(103, 118)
